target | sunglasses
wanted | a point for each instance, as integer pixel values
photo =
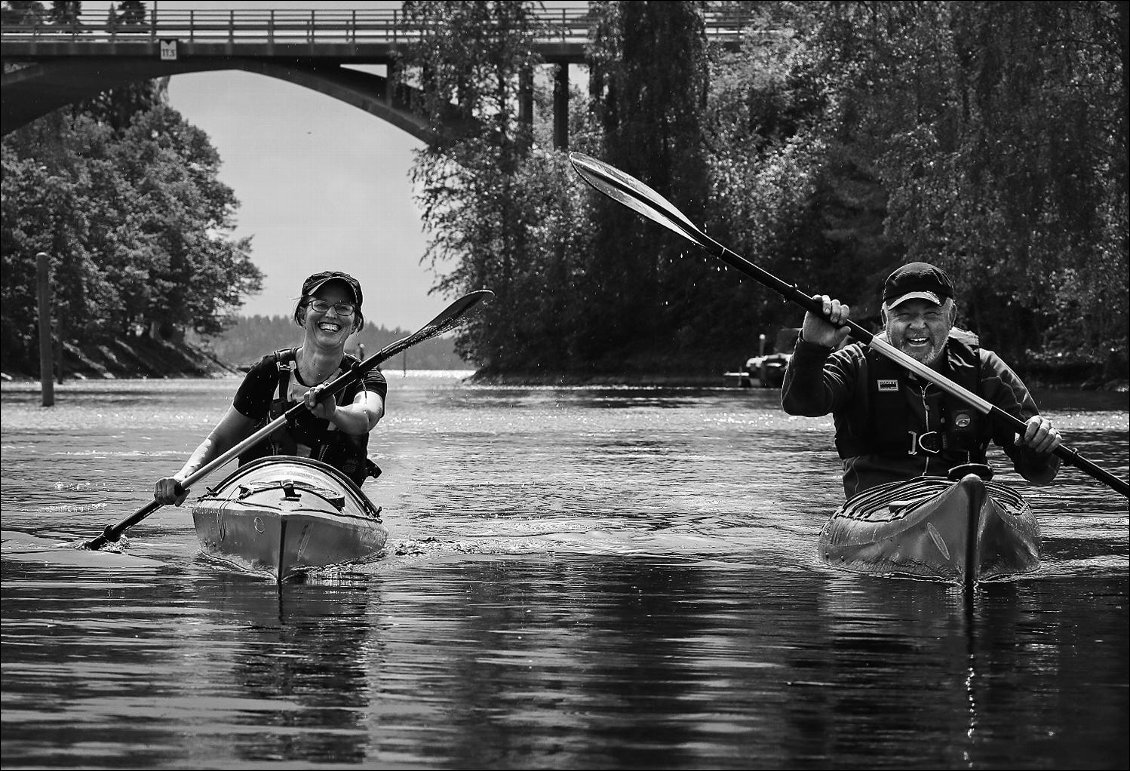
(341, 309)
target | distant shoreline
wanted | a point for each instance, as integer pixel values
(144, 358)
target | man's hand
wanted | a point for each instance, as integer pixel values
(1040, 435)
(829, 331)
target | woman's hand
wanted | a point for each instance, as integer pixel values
(324, 409)
(168, 491)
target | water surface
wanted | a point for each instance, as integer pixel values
(575, 578)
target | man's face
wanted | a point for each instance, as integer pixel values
(919, 328)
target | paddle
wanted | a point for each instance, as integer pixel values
(641, 199)
(445, 321)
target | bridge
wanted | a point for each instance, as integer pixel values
(47, 66)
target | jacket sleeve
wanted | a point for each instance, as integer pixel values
(1007, 391)
(818, 381)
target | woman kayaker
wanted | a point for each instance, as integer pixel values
(335, 431)
(892, 426)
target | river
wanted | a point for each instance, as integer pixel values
(606, 577)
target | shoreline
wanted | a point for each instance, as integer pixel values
(550, 380)
(145, 358)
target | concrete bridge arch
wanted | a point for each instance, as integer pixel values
(37, 89)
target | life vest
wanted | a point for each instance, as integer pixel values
(881, 422)
(307, 436)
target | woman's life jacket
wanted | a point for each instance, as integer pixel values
(306, 435)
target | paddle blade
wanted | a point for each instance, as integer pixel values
(453, 314)
(629, 191)
(447, 320)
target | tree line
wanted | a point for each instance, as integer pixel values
(250, 337)
(836, 141)
(839, 140)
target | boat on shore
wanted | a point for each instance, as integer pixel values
(964, 529)
(286, 516)
(767, 370)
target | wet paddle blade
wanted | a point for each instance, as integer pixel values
(447, 320)
(637, 196)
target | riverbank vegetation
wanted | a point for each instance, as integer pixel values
(123, 195)
(835, 142)
(838, 141)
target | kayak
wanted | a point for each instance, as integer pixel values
(964, 529)
(287, 516)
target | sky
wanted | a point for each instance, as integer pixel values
(322, 185)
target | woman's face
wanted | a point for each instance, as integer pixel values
(330, 327)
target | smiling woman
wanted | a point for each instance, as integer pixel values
(333, 430)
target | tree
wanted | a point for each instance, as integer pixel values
(65, 13)
(24, 12)
(137, 227)
(998, 130)
(648, 87)
(469, 63)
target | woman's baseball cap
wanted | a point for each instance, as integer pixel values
(318, 280)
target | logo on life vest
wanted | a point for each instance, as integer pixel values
(888, 385)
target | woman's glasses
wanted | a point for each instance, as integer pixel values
(341, 309)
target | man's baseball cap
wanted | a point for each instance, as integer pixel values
(917, 281)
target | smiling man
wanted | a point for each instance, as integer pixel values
(892, 425)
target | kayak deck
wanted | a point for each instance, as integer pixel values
(966, 531)
(286, 516)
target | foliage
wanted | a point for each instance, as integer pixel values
(838, 141)
(22, 12)
(648, 87)
(136, 225)
(478, 190)
(998, 132)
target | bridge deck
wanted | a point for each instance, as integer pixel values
(365, 35)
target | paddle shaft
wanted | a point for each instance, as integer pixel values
(440, 324)
(642, 199)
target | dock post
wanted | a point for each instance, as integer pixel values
(46, 352)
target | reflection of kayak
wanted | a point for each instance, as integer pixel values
(965, 530)
(287, 515)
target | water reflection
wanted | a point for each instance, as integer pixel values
(304, 659)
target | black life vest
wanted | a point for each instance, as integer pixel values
(880, 421)
(346, 452)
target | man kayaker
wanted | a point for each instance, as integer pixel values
(336, 430)
(892, 425)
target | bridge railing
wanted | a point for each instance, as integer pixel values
(288, 26)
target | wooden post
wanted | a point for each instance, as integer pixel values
(46, 355)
